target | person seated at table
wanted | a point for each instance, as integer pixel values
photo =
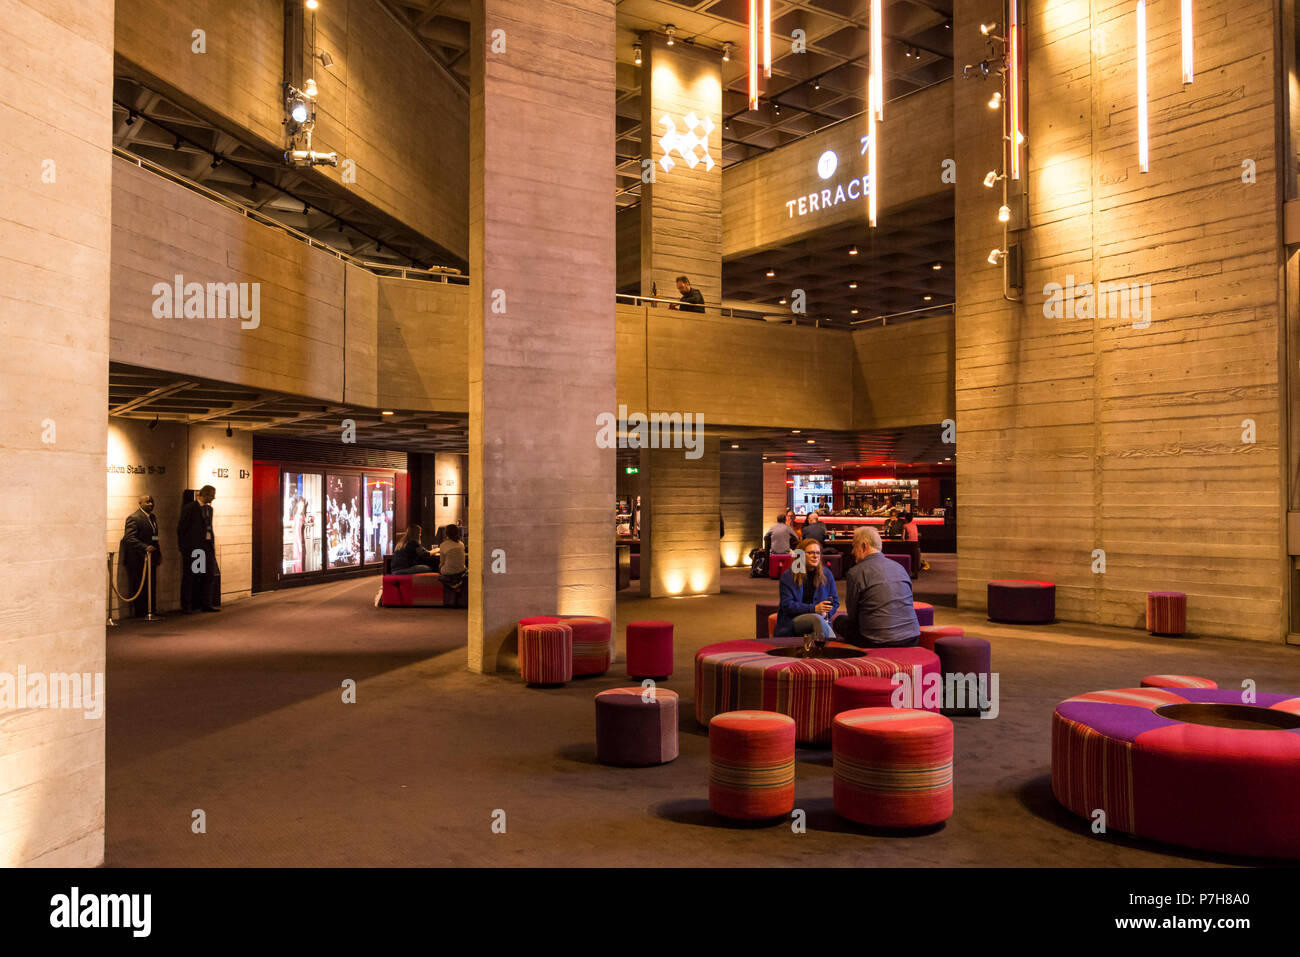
(410, 557)
(780, 536)
(808, 598)
(814, 527)
(878, 609)
(451, 558)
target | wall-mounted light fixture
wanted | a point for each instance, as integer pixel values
(672, 32)
(1186, 17)
(636, 53)
(1143, 156)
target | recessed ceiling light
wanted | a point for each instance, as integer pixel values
(771, 273)
(853, 250)
(812, 441)
(386, 412)
(937, 266)
(853, 312)
(853, 285)
(795, 431)
(735, 446)
(927, 298)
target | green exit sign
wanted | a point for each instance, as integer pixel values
(632, 470)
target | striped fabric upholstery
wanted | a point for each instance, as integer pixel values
(593, 645)
(751, 765)
(740, 675)
(893, 767)
(1166, 612)
(860, 691)
(546, 652)
(1177, 681)
(636, 727)
(1092, 772)
(420, 591)
(932, 634)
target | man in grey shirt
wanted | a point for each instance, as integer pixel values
(814, 528)
(781, 536)
(878, 608)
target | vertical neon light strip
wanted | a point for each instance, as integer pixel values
(1188, 74)
(1013, 79)
(767, 38)
(1142, 85)
(753, 54)
(877, 103)
(873, 96)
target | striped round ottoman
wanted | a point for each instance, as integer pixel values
(546, 652)
(649, 649)
(963, 661)
(761, 610)
(1022, 602)
(893, 767)
(743, 675)
(1166, 612)
(924, 613)
(1190, 766)
(1177, 681)
(636, 727)
(932, 634)
(751, 765)
(861, 691)
(593, 645)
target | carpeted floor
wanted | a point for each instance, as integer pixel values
(240, 714)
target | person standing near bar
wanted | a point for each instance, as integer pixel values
(194, 534)
(140, 544)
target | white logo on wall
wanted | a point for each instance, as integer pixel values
(826, 164)
(686, 141)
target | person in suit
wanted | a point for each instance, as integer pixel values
(194, 534)
(140, 545)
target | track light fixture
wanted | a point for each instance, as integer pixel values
(1004, 213)
(726, 53)
(995, 100)
(636, 54)
(992, 177)
(672, 32)
(229, 431)
(326, 60)
(995, 256)
(853, 250)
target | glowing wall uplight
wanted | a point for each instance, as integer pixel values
(1143, 157)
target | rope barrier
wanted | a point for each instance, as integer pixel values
(144, 579)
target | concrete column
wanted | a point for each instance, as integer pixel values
(55, 110)
(541, 322)
(679, 522)
(741, 499)
(776, 494)
(681, 211)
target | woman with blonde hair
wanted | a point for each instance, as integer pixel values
(809, 599)
(410, 557)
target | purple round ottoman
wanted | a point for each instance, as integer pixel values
(1022, 602)
(968, 658)
(904, 560)
(931, 634)
(834, 561)
(636, 727)
(761, 610)
(924, 613)
(649, 649)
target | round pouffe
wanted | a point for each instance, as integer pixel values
(861, 691)
(893, 767)
(546, 652)
(965, 656)
(1177, 681)
(1190, 766)
(1166, 613)
(593, 646)
(751, 765)
(779, 564)
(743, 675)
(636, 727)
(924, 613)
(761, 610)
(932, 634)
(649, 649)
(1022, 602)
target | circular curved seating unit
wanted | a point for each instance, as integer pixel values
(636, 727)
(545, 652)
(924, 613)
(1166, 612)
(965, 662)
(893, 767)
(1190, 766)
(746, 675)
(1177, 681)
(593, 643)
(1022, 602)
(861, 691)
(649, 649)
(779, 564)
(751, 765)
(761, 611)
(933, 633)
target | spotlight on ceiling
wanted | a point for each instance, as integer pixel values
(771, 273)
(726, 53)
(636, 53)
(995, 256)
(927, 298)
(1004, 213)
(671, 31)
(853, 285)
(811, 441)
(987, 28)
(229, 431)
(386, 412)
(853, 250)
(937, 266)
(853, 312)
(313, 4)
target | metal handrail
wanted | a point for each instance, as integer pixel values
(443, 274)
(884, 320)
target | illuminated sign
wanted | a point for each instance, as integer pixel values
(826, 164)
(687, 141)
(857, 188)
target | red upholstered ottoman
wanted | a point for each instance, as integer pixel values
(1177, 681)
(904, 560)
(861, 691)
(933, 633)
(751, 765)
(924, 613)
(420, 591)
(649, 649)
(893, 767)
(1166, 612)
(761, 610)
(593, 645)
(1022, 602)
(778, 564)
(636, 727)
(545, 652)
